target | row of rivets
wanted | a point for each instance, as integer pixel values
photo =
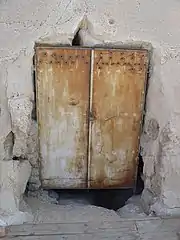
(122, 53)
(66, 62)
(54, 55)
(57, 58)
(120, 63)
(71, 59)
(121, 59)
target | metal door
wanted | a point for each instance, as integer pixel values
(90, 106)
(117, 92)
(62, 103)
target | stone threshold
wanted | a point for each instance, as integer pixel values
(131, 229)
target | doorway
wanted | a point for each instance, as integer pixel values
(89, 104)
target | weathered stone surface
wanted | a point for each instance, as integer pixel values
(20, 109)
(45, 197)
(147, 200)
(169, 157)
(15, 218)
(161, 209)
(5, 121)
(126, 229)
(161, 168)
(34, 175)
(13, 179)
(86, 39)
(19, 77)
(62, 39)
(33, 144)
(3, 231)
(8, 146)
(33, 157)
(132, 208)
(46, 212)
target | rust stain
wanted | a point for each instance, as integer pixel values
(118, 94)
(63, 100)
(63, 79)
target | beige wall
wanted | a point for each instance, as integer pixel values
(154, 25)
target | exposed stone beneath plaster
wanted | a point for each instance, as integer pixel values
(56, 39)
(14, 176)
(34, 183)
(8, 146)
(33, 145)
(13, 180)
(161, 169)
(169, 143)
(20, 109)
(5, 121)
(132, 209)
(87, 40)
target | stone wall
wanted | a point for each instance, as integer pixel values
(153, 25)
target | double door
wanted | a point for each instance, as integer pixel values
(89, 104)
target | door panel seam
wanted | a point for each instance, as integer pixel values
(90, 112)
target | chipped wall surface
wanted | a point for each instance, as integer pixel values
(140, 23)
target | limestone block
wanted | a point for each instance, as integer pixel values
(160, 209)
(20, 109)
(164, 180)
(132, 208)
(5, 121)
(147, 200)
(34, 175)
(3, 231)
(8, 146)
(34, 180)
(15, 218)
(170, 160)
(33, 144)
(33, 157)
(19, 77)
(8, 200)
(56, 38)
(46, 197)
(14, 176)
(86, 39)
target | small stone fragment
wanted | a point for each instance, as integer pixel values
(3, 232)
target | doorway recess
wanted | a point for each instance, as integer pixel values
(89, 104)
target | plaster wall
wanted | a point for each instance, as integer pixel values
(153, 25)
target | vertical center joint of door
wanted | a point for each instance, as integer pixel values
(90, 117)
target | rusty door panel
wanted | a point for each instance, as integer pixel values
(117, 101)
(62, 102)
